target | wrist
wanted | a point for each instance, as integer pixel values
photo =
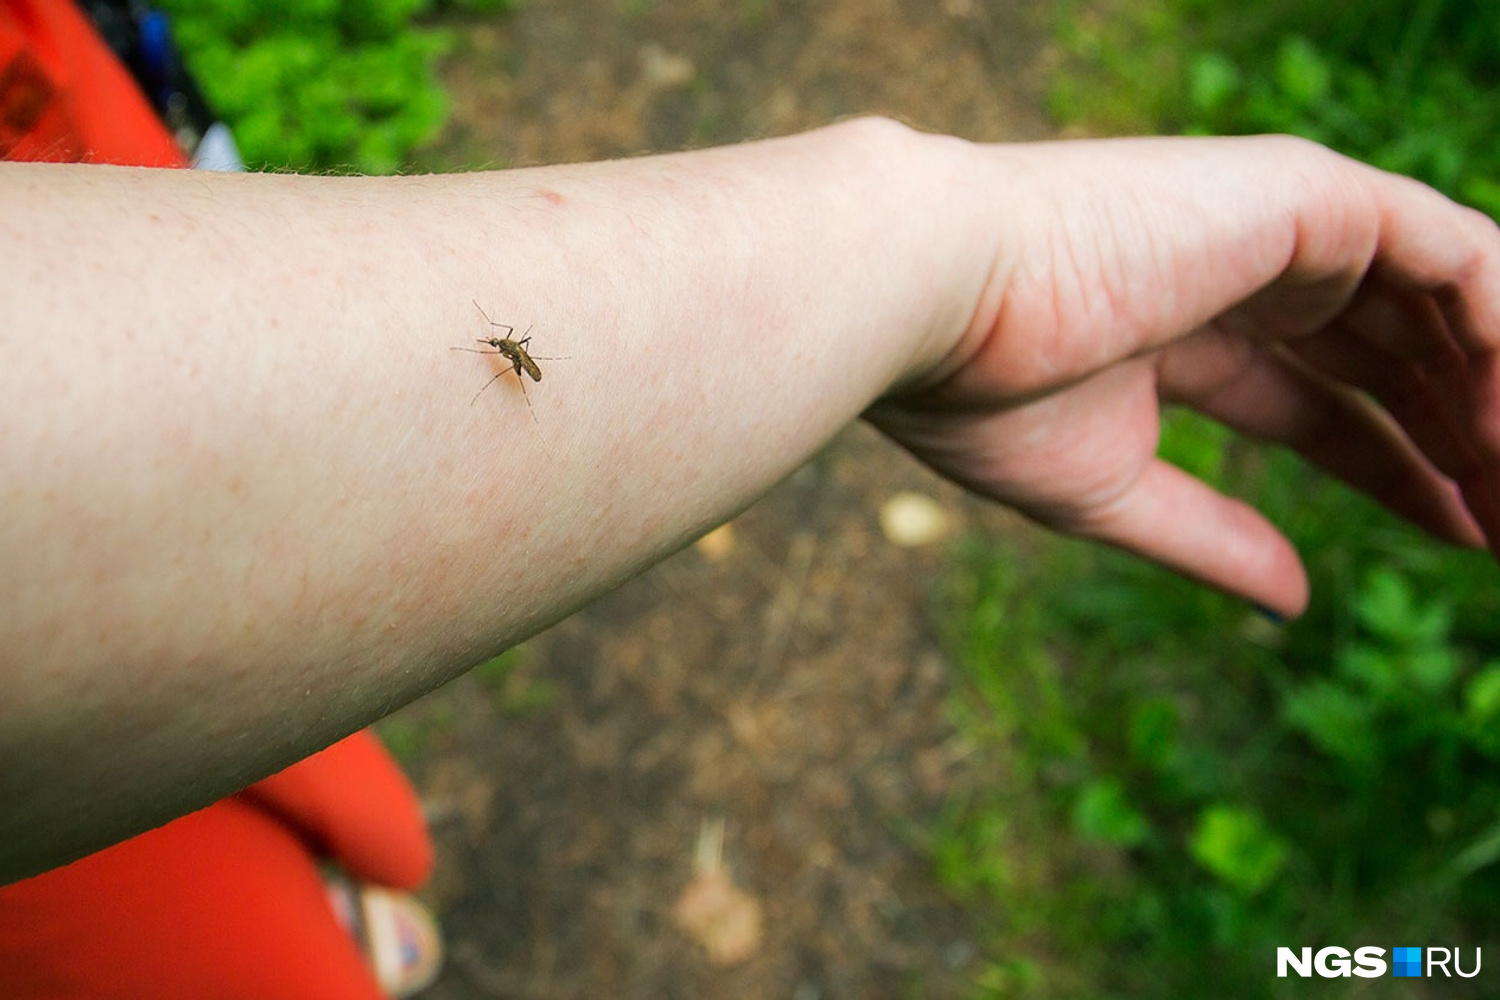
(936, 200)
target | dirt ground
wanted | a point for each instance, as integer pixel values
(786, 682)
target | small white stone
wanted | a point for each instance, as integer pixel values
(913, 519)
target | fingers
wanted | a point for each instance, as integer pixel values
(1429, 244)
(1429, 309)
(1423, 398)
(1432, 408)
(1441, 387)
(1171, 518)
(1260, 392)
(1417, 328)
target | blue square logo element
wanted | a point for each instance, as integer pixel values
(1406, 961)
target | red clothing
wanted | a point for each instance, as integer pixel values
(227, 902)
(65, 98)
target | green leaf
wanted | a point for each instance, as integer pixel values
(1482, 710)
(1433, 669)
(1482, 694)
(1385, 603)
(318, 83)
(1237, 847)
(1302, 74)
(1213, 81)
(1375, 669)
(1152, 733)
(1387, 607)
(1103, 812)
(1338, 721)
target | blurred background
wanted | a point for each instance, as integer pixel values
(874, 738)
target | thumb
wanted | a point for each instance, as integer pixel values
(1171, 518)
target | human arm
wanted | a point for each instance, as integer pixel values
(250, 505)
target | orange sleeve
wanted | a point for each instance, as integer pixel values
(351, 803)
(224, 903)
(65, 98)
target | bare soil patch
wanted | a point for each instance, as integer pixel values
(790, 683)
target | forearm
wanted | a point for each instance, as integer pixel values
(252, 503)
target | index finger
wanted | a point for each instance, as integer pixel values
(1453, 269)
(1431, 301)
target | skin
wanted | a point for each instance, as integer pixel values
(249, 507)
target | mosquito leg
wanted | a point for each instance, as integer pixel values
(524, 395)
(508, 327)
(486, 385)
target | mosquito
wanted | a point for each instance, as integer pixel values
(512, 350)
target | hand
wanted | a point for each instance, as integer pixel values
(1292, 294)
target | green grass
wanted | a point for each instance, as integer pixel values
(324, 85)
(514, 691)
(1409, 86)
(1198, 785)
